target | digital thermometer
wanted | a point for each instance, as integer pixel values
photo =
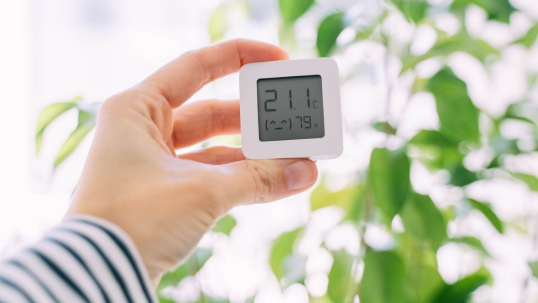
(291, 109)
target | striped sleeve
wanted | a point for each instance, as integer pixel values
(84, 259)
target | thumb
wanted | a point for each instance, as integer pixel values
(259, 181)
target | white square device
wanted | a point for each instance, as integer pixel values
(291, 109)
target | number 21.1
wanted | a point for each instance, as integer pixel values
(266, 105)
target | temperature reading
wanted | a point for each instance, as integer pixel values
(267, 109)
(297, 114)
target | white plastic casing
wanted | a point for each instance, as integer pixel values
(328, 147)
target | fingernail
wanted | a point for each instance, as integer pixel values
(300, 174)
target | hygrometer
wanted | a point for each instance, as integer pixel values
(291, 109)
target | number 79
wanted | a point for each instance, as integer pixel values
(306, 120)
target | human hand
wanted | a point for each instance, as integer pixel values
(165, 203)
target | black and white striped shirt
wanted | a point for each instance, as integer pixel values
(84, 259)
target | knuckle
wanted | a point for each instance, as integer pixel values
(263, 181)
(210, 191)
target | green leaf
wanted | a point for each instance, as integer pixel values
(224, 225)
(340, 276)
(457, 43)
(328, 32)
(534, 268)
(294, 270)
(412, 9)
(165, 300)
(283, 247)
(389, 179)
(188, 268)
(48, 115)
(384, 127)
(384, 278)
(460, 291)
(523, 111)
(437, 152)
(457, 114)
(424, 283)
(217, 26)
(504, 146)
(358, 207)
(322, 299)
(86, 122)
(364, 32)
(201, 256)
(499, 10)
(344, 198)
(87, 116)
(72, 142)
(291, 10)
(490, 215)
(529, 38)
(210, 299)
(168, 279)
(495, 163)
(350, 199)
(432, 137)
(532, 181)
(461, 176)
(472, 242)
(422, 219)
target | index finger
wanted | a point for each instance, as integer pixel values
(180, 79)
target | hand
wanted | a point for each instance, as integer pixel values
(165, 203)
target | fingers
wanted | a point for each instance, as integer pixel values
(259, 181)
(180, 79)
(215, 155)
(202, 120)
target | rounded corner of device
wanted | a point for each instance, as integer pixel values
(339, 152)
(243, 72)
(329, 59)
(247, 67)
(248, 152)
(333, 63)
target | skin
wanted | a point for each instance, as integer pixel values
(164, 202)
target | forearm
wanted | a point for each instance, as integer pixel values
(83, 259)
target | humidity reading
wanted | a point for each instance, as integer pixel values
(290, 108)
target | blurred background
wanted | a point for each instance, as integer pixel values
(435, 198)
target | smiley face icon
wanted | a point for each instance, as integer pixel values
(273, 125)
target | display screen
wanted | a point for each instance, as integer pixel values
(290, 108)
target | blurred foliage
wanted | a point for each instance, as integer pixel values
(384, 278)
(87, 115)
(534, 268)
(457, 114)
(283, 248)
(406, 270)
(291, 10)
(224, 225)
(490, 215)
(340, 276)
(328, 31)
(389, 180)
(423, 220)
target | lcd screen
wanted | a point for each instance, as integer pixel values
(290, 108)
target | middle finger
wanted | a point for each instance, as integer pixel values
(199, 121)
